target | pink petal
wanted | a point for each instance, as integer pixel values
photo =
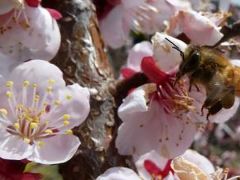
(119, 173)
(199, 160)
(153, 156)
(30, 71)
(137, 53)
(168, 58)
(77, 106)
(152, 129)
(13, 147)
(199, 29)
(132, 3)
(40, 41)
(56, 149)
(112, 28)
(6, 6)
(54, 13)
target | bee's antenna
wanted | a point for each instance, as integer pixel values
(176, 47)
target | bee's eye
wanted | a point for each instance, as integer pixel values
(194, 61)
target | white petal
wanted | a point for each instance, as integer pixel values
(6, 6)
(112, 28)
(134, 103)
(132, 3)
(40, 41)
(56, 149)
(153, 156)
(167, 57)
(138, 52)
(77, 106)
(119, 173)
(199, 29)
(225, 114)
(199, 160)
(12, 146)
(154, 130)
(39, 72)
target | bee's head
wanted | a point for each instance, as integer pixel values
(190, 62)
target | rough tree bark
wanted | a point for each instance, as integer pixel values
(82, 59)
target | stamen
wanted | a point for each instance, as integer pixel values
(26, 140)
(3, 112)
(69, 132)
(9, 84)
(48, 131)
(68, 97)
(16, 126)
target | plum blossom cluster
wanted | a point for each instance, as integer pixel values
(37, 110)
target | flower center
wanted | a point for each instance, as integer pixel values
(155, 171)
(173, 96)
(16, 16)
(30, 113)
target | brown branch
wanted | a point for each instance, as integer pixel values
(83, 60)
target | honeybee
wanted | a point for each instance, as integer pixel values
(207, 66)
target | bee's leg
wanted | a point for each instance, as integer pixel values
(229, 98)
(214, 109)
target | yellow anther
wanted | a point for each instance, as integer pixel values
(9, 84)
(48, 131)
(33, 125)
(3, 112)
(66, 123)
(57, 102)
(9, 94)
(26, 83)
(49, 89)
(16, 125)
(26, 140)
(29, 119)
(66, 117)
(68, 97)
(69, 132)
(34, 85)
(40, 143)
(51, 81)
(36, 98)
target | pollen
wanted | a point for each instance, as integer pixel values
(49, 89)
(26, 83)
(26, 140)
(66, 123)
(68, 97)
(48, 131)
(34, 85)
(51, 81)
(33, 125)
(9, 94)
(16, 125)
(57, 102)
(69, 132)
(66, 117)
(3, 112)
(9, 84)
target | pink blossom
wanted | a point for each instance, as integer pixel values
(159, 115)
(28, 31)
(146, 16)
(37, 113)
(190, 165)
(199, 29)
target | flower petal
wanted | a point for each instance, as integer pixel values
(39, 40)
(199, 160)
(153, 156)
(74, 101)
(30, 71)
(119, 173)
(167, 57)
(199, 29)
(13, 147)
(56, 149)
(153, 129)
(6, 6)
(112, 28)
(132, 3)
(137, 53)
